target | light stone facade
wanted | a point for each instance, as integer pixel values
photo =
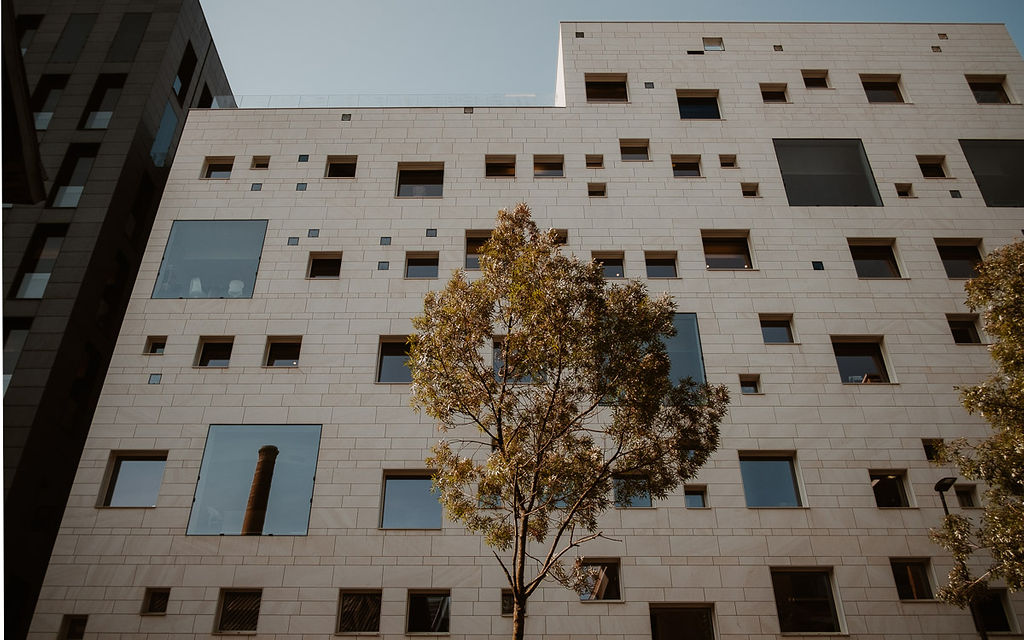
(105, 558)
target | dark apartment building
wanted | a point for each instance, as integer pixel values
(95, 96)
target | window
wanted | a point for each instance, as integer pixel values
(260, 162)
(283, 351)
(73, 37)
(303, 157)
(698, 105)
(183, 79)
(611, 265)
(205, 98)
(860, 360)
(804, 600)
(696, 621)
(300, 186)
(606, 87)
(750, 384)
(882, 88)
(421, 265)
(15, 335)
(154, 378)
(815, 78)
(474, 245)
(45, 98)
(931, 448)
(359, 612)
(239, 610)
(134, 479)
(256, 186)
(500, 166)
(713, 44)
(993, 613)
(750, 190)
(507, 602)
(686, 166)
(548, 167)
(420, 180)
(769, 480)
(214, 352)
(429, 612)
(341, 167)
(904, 190)
(964, 329)
(25, 28)
(603, 582)
(128, 37)
(960, 258)
(211, 259)
(595, 161)
(40, 260)
(773, 92)
(695, 497)
(988, 89)
(72, 627)
(155, 601)
(394, 354)
(966, 496)
(998, 168)
(256, 480)
(408, 503)
(777, 329)
(874, 260)
(634, 150)
(686, 358)
(218, 168)
(660, 264)
(325, 265)
(100, 107)
(727, 161)
(597, 190)
(631, 492)
(511, 373)
(828, 172)
(73, 174)
(726, 251)
(890, 489)
(932, 166)
(164, 136)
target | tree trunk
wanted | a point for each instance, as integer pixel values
(518, 619)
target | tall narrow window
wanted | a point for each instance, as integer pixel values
(183, 79)
(40, 259)
(391, 363)
(829, 172)
(164, 136)
(992, 612)
(475, 241)
(128, 37)
(73, 174)
(211, 259)
(25, 27)
(72, 627)
(45, 98)
(998, 168)
(15, 335)
(73, 37)
(686, 358)
(100, 107)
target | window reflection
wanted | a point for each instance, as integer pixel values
(409, 504)
(211, 259)
(684, 350)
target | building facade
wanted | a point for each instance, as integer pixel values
(813, 196)
(95, 98)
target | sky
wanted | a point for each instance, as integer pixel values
(490, 47)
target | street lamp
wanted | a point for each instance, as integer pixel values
(942, 486)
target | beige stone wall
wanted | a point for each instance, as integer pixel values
(105, 558)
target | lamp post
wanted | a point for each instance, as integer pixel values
(941, 487)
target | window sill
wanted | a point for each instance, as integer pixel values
(234, 633)
(330, 278)
(428, 633)
(651, 508)
(797, 507)
(221, 179)
(882, 278)
(759, 393)
(357, 633)
(831, 634)
(744, 269)
(916, 600)
(971, 344)
(595, 601)
(409, 528)
(153, 614)
(785, 344)
(116, 507)
(499, 177)
(392, 383)
(419, 197)
(691, 177)
(896, 508)
(608, 102)
(869, 384)
(549, 177)
(293, 367)
(420, 279)
(209, 366)
(647, 160)
(939, 177)
(340, 178)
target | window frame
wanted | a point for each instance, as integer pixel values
(164, 279)
(423, 260)
(410, 594)
(341, 161)
(921, 564)
(723, 238)
(877, 91)
(222, 604)
(996, 80)
(147, 601)
(618, 479)
(391, 340)
(542, 160)
(776, 321)
(320, 256)
(617, 580)
(700, 99)
(861, 250)
(215, 165)
(815, 74)
(407, 474)
(833, 599)
(965, 322)
(356, 592)
(686, 163)
(205, 341)
(693, 489)
(904, 488)
(591, 80)
(795, 476)
(678, 606)
(601, 257)
(639, 147)
(771, 92)
(884, 373)
(663, 256)
(275, 341)
(961, 245)
(826, 172)
(500, 161)
(422, 168)
(113, 469)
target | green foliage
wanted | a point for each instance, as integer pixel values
(582, 392)
(998, 292)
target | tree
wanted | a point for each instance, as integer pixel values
(998, 461)
(576, 396)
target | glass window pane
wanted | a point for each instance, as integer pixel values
(630, 491)
(769, 482)
(420, 183)
(726, 253)
(429, 612)
(699, 108)
(211, 259)
(684, 351)
(238, 460)
(128, 37)
(409, 504)
(421, 268)
(911, 578)
(359, 612)
(604, 585)
(135, 482)
(776, 331)
(695, 499)
(73, 37)
(826, 173)
(860, 362)
(164, 136)
(992, 611)
(391, 368)
(889, 490)
(688, 623)
(804, 601)
(998, 168)
(960, 261)
(874, 261)
(661, 268)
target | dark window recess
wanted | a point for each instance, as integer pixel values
(214, 353)
(597, 189)
(595, 161)
(429, 612)
(695, 498)
(804, 601)
(100, 107)
(73, 37)
(911, 578)
(661, 267)
(205, 98)
(750, 189)
(154, 378)
(776, 47)
(932, 166)
(648, 85)
(300, 186)
(324, 266)
(695, 621)
(73, 174)
(611, 267)
(829, 172)
(815, 78)
(293, 241)
(959, 260)
(874, 261)
(155, 601)
(155, 345)
(631, 491)
(602, 583)
(992, 614)
(474, 245)
(966, 496)
(45, 99)
(606, 88)
(548, 167)
(507, 602)
(421, 266)
(134, 480)
(183, 79)
(931, 448)
(686, 166)
(964, 330)
(750, 384)
(409, 504)
(726, 253)
(40, 260)
(211, 259)
(776, 330)
(25, 28)
(383, 265)
(699, 107)
(727, 161)
(341, 167)
(431, 233)
(998, 168)
(817, 265)
(774, 93)
(218, 168)
(989, 89)
(500, 166)
(769, 481)
(420, 182)
(128, 37)
(955, 193)
(256, 186)
(359, 612)
(882, 90)
(72, 627)
(634, 150)
(391, 366)
(303, 157)
(346, 117)
(283, 352)
(860, 362)
(385, 241)
(239, 611)
(904, 190)
(164, 136)
(890, 490)
(685, 356)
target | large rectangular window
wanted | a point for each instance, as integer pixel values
(998, 168)
(409, 504)
(40, 260)
(73, 37)
(211, 259)
(860, 360)
(769, 481)
(256, 480)
(698, 104)
(684, 351)
(420, 180)
(128, 37)
(826, 173)
(682, 621)
(804, 601)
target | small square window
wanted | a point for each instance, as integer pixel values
(239, 610)
(391, 363)
(660, 265)
(597, 189)
(631, 492)
(421, 265)
(300, 186)
(726, 251)
(304, 157)
(750, 189)
(595, 161)
(860, 360)
(955, 193)
(425, 180)
(346, 117)
(218, 168)
(155, 345)
(804, 601)
(475, 241)
(429, 612)
(548, 167)
(904, 190)
(634, 150)
(769, 480)
(324, 266)
(341, 167)
(817, 265)
(911, 578)
(774, 92)
(698, 105)
(155, 601)
(409, 502)
(383, 265)
(500, 166)
(964, 329)
(283, 351)
(686, 166)
(713, 44)
(936, 48)
(993, 612)
(385, 241)
(882, 88)
(966, 496)
(777, 329)
(580, 34)
(312, 233)
(943, 36)
(890, 489)
(696, 621)
(989, 89)
(359, 612)
(874, 260)
(154, 378)
(933, 166)
(214, 351)
(603, 581)
(931, 448)
(648, 85)
(695, 497)
(611, 265)
(431, 233)
(134, 479)
(776, 47)
(256, 186)
(293, 241)
(467, 109)
(750, 384)
(960, 258)
(606, 87)
(260, 162)
(72, 627)
(815, 78)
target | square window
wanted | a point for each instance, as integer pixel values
(214, 351)
(72, 627)
(727, 161)
(750, 189)
(860, 360)
(409, 503)
(429, 612)
(777, 329)
(817, 265)
(293, 241)
(420, 180)
(611, 265)
(312, 233)
(686, 166)
(695, 497)
(713, 44)
(155, 601)
(936, 49)
(774, 92)
(993, 612)
(815, 78)
(989, 89)
(300, 186)
(431, 233)
(211, 259)
(606, 87)
(998, 168)
(324, 266)
(154, 378)
(960, 258)
(346, 117)
(255, 480)
(698, 105)
(595, 161)
(776, 47)
(134, 479)
(648, 85)
(239, 610)
(955, 193)
(882, 88)
(769, 481)
(385, 241)
(685, 357)
(634, 150)
(694, 621)
(359, 612)
(597, 190)
(966, 496)
(500, 166)
(931, 448)
(341, 167)
(826, 172)
(283, 351)
(383, 265)
(726, 252)
(904, 190)
(475, 241)
(304, 157)
(750, 384)
(256, 186)
(964, 329)
(932, 166)
(874, 260)
(218, 168)
(804, 601)
(890, 489)
(260, 162)
(660, 264)
(631, 492)
(603, 581)
(421, 265)
(391, 365)
(548, 167)
(155, 345)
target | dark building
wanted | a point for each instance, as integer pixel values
(95, 95)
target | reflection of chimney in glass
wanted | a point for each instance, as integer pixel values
(256, 510)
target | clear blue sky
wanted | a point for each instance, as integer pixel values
(312, 47)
